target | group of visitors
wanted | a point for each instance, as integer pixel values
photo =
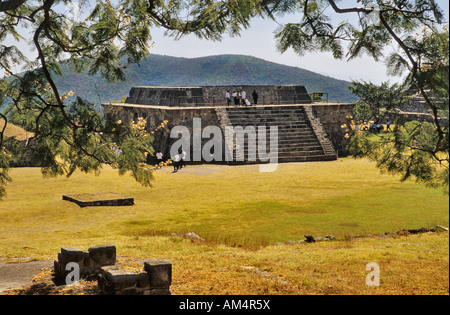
(240, 98)
(179, 160)
(374, 126)
(378, 127)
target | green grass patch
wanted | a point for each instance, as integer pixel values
(228, 205)
(236, 209)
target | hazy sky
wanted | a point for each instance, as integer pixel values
(258, 41)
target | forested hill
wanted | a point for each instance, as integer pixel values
(160, 70)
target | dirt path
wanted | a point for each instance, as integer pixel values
(17, 275)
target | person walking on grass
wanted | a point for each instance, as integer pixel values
(183, 158)
(159, 156)
(176, 163)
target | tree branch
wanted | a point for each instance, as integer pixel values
(413, 61)
(43, 28)
(9, 5)
(348, 10)
(2, 132)
(421, 87)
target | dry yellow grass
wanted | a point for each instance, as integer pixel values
(15, 131)
(410, 265)
(413, 265)
(241, 213)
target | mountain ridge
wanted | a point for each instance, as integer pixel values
(227, 69)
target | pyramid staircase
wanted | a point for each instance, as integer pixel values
(300, 136)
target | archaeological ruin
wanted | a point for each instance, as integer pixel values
(99, 262)
(302, 130)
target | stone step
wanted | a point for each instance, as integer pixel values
(268, 115)
(260, 123)
(270, 118)
(281, 151)
(291, 159)
(286, 130)
(311, 158)
(273, 109)
(292, 147)
(250, 113)
(280, 123)
(281, 132)
(264, 107)
(286, 136)
(297, 141)
(234, 111)
(285, 154)
(293, 143)
(287, 139)
(283, 143)
(280, 127)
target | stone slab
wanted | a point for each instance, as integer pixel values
(109, 199)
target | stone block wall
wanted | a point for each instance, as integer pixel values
(332, 117)
(89, 261)
(417, 103)
(156, 115)
(100, 262)
(215, 95)
(155, 279)
(321, 133)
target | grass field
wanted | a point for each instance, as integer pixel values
(12, 130)
(242, 213)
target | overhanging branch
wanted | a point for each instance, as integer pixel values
(9, 5)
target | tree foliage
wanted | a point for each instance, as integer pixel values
(376, 100)
(414, 29)
(415, 149)
(110, 34)
(104, 39)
